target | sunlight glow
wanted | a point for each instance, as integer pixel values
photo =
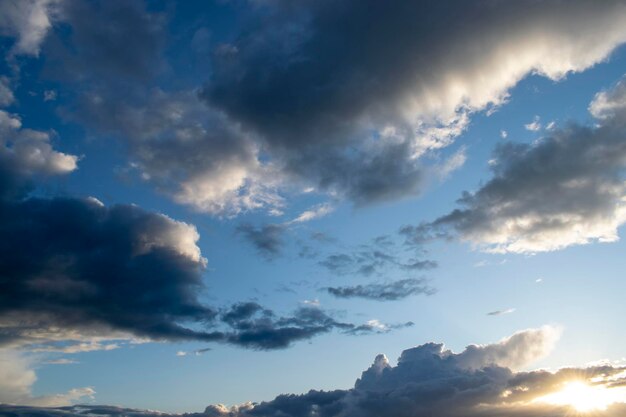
(584, 397)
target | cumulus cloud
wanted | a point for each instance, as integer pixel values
(387, 291)
(295, 99)
(357, 120)
(25, 154)
(186, 150)
(565, 189)
(80, 276)
(17, 377)
(481, 381)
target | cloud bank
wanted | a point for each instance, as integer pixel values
(481, 381)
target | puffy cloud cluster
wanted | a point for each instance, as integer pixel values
(481, 381)
(567, 188)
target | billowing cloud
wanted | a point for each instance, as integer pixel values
(387, 291)
(355, 120)
(296, 101)
(565, 189)
(481, 381)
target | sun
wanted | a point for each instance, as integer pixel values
(584, 397)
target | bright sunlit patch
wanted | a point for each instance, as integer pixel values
(584, 397)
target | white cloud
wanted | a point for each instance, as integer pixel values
(313, 213)
(28, 21)
(565, 189)
(17, 377)
(533, 126)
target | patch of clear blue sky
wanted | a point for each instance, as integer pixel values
(581, 289)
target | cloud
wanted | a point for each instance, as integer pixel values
(358, 121)
(315, 212)
(388, 291)
(376, 258)
(26, 154)
(481, 381)
(80, 276)
(256, 327)
(501, 312)
(565, 189)
(295, 102)
(6, 94)
(268, 239)
(533, 126)
(17, 378)
(108, 41)
(49, 95)
(28, 21)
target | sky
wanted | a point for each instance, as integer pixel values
(341, 208)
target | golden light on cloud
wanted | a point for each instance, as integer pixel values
(584, 397)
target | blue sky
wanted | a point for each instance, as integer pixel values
(222, 202)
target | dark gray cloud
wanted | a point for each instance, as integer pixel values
(501, 312)
(387, 291)
(296, 99)
(356, 119)
(376, 257)
(428, 380)
(76, 272)
(565, 189)
(267, 239)
(76, 264)
(107, 39)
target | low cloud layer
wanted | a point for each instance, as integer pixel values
(565, 189)
(481, 381)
